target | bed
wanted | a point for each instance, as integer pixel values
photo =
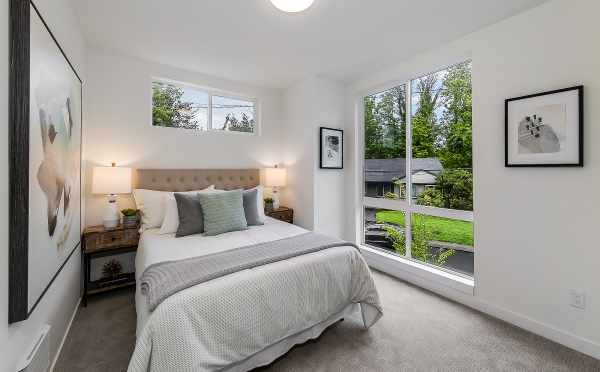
(250, 317)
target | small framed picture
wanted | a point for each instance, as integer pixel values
(332, 148)
(545, 129)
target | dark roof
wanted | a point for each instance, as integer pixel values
(386, 170)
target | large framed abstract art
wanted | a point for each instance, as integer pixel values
(45, 125)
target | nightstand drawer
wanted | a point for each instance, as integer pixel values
(282, 214)
(111, 239)
(287, 217)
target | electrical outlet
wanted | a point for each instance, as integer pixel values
(577, 299)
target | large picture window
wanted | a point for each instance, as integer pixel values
(176, 105)
(418, 176)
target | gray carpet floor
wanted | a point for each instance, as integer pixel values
(420, 331)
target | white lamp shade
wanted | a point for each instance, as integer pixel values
(292, 6)
(111, 180)
(275, 177)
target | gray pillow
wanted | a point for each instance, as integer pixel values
(223, 212)
(191, 220)
(253, 215)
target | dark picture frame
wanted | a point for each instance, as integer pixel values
(336, 149)
(20, 18)
(579, 90)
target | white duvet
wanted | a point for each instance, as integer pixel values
(218, 324)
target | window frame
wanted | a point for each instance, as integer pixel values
(408, 206)
(211, 92)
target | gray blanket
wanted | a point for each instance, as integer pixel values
(164, 279)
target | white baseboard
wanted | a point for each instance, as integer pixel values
(550, 332)
(583, 345)
(64, 338)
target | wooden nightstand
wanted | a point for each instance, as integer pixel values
(100, 242)
(283, 214)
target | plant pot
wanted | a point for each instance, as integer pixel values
(269, 206)
(130, 221)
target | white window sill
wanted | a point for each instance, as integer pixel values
(401, 267)
(205, 132)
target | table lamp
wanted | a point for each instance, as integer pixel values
(111, 181)
(275, 178)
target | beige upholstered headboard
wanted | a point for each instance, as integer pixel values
(195, 179)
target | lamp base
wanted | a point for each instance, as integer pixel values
(110, 224)
(275, 196)
(111, 216)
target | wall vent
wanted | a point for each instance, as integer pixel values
(37, 357)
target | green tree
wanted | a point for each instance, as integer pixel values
(391, 114)
(244, 125)
(420, 249)
(454, 190)
(457, 118)
(373, 131)
(385, 125)
(391, 196)
(431, 197)
(424, 121)
(456, 187)
(447, 135)
(170, 110)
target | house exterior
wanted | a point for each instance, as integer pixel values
(389, 175)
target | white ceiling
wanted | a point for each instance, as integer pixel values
(251, 41)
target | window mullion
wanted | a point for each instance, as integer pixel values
(408, 173)
(209, 125)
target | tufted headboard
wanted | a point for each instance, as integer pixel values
(195, 179)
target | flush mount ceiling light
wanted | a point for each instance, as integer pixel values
(292, 6)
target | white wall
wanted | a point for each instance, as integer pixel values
(317, 195)
(536, 230)
(330, 184)
(298, 139)
(57, 306)
(119, 115)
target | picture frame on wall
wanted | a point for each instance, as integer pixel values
(545, 129)
(45, 130)
(331, 148)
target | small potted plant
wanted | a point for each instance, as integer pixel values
(130, 217)
(269, 204)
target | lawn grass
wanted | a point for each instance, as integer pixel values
(441, 229)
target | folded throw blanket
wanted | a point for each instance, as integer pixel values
(162, 280)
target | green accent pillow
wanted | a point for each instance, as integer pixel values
(223, 212)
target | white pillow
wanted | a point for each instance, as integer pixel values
(170, 222)
(153, 205)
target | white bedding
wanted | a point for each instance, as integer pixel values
(229, 323)
(154, 248)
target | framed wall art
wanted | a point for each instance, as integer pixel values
(331, 148)
(45, 126)
(545, 129)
